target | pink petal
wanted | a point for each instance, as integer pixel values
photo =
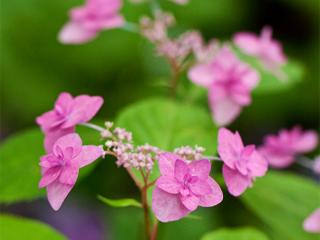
(312, 223)
(307, 142)
(277, 159)
(69, 174)
(200, 168)
(47, 120)
(236, 183)
(251, 78)
(180, 170)
(191, 202)
(201, 187)
(257, 164)
(201, 74)
(48, 161)
(167, 207)
(52, 136)
(166, 163)
(214, 198)
(248, 42)
(63, 103)
(49, 176)
(224, 110)
(168, 184)
(229, 146)
(88, 155)
(74, 33)
(66, 142)
(113, 22)
(57, 193)
(84, 109)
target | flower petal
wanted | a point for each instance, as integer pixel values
(200, 168)
(88, 154)
(201, 74)
(167, 207)
(69, 174)
(236, 183)
(215, 197)
(52, 136)
(277, 159)
(57, 193)
(168, 184)
(49, 176)
(191, 202)
(248, 42)
(312, 223)
(180, 169)
(307, 142)
(74, 33)
(229, 146)
(200, 187)
(257, 164)
(166, 163)
(66, 142)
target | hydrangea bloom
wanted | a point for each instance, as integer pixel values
(67, 113)
(242, 164)
(61, 167)
(182, 187)
(88, 20)
(280, 150)
(264, 47)
(312, 223)
(229, 81)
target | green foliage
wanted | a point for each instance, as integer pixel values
(17, 228)
(125, 202)
(19, 160)
(282, 201)
(235, 234)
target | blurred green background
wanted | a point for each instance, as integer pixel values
(122, 67)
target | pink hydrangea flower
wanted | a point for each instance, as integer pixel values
(242, 164)
(230, 83)
(264, 47)
(67, 113)
(61, 167)
(280, 150)
(312, 223)
(88, 20)
(182, 187)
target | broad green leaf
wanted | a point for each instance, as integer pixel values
(17, 228)
(282, 201)
(235, 234)
(270, 83)
(125, 202)
(19, 161)
(168, 124)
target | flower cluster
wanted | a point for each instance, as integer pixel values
(189, 153)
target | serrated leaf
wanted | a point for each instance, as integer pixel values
(282, 201)
(17, 228)
(235, 234)
(124, 202)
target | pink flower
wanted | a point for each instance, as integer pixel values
(88, 20)
(230, 83)
(264, 47)
(67, 113)
(316, 165)
(61, 167)
(242, 164)
(280, 150)
(182, 187)
(312, 223)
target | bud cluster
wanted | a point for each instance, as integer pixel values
(189, 153)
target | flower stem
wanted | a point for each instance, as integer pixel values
(175, 69)
(92, 126)
(131, 27)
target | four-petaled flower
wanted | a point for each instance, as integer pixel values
(61, 167)
(268, 50)
(312, 222)
(280, 150)
(88, 20)
(230, 83)
(67, 113)
(182, 187)
(242, 164)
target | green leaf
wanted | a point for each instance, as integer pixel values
(17, 228)
(125, 202)
(168, 124)
(19, 161)
(282, 201)
(235, 234)
(270, 83)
